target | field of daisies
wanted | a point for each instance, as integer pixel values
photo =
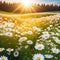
(30, 38)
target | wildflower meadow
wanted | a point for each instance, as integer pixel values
(30, 38)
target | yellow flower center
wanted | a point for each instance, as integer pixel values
(46, 36)
(9, 48)
(39, 46)
(3, 59)
(0, 48)
(38, 58)
(55, 51)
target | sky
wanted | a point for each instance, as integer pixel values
(37, 1)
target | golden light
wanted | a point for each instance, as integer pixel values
(26, 6)
(26, 3)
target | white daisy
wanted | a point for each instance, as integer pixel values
(8, 29)
(23, 33)
(22, 39)
(55, 50)
(38, 57)
(29, 42)
(10, 24)
(30, 32)
(8, 34)
(48, 56)
(36, 29)
(3, 58)
(56, 39)
(2, 49)
(9, 49)
(39, 46)
(45, 35)
(16, 54)
(48, 28)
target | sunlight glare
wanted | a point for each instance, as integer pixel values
(26, 3)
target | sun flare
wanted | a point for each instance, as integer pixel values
(26, 3)
(26, 6)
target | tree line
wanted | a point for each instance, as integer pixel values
(19, 8)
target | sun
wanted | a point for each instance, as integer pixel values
(26, 3)
(26, 6)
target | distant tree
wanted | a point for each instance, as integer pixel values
(17, 7)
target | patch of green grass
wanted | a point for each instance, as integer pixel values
(3, 12)
(29, 15)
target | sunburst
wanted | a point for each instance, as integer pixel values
(26, 3)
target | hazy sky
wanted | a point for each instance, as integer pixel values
(36, 1)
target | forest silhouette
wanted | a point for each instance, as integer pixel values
(12, 7)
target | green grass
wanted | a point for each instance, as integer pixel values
(30, 15)
(3, 12)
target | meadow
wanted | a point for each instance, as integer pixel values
(34, 36)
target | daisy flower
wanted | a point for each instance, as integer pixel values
(22, 39)
(3, 58)
(48, 56)
(23, 33)
(39, 46)
(2, 49)
(30, 32)
(29, 42)
(16, 54)
(8, 34)
(45, 35)
(10, 50)
(55, 50)
(36, 29)
(38, 57)
(10, 24)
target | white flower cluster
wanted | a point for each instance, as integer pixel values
(9, 50)
(52, 33)
(43, 39)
